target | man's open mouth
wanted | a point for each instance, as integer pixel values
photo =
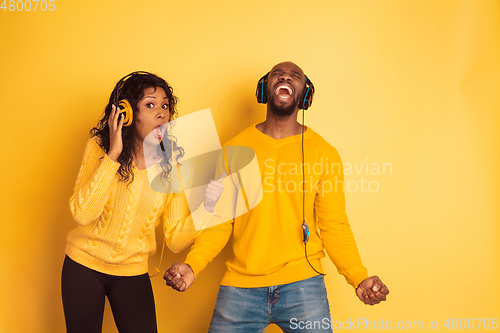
(283, 91)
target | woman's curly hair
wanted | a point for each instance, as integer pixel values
(131, 88)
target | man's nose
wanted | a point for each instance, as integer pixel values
(285, 77)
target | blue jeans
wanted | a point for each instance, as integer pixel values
(296, 307)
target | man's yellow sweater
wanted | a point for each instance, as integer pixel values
(117, 220)
(267, 241)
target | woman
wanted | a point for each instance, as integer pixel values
(117, 210)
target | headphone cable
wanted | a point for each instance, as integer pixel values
(305, 228)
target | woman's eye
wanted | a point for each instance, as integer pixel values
(150, 105)
(165, 106)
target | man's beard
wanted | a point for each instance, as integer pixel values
(281, 110)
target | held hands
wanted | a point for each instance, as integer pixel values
(213, 192)
(115, 133)
(372, 291)
(180, 276)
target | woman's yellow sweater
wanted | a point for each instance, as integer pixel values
(117, 220)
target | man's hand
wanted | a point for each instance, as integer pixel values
(372, 291)
(180, 276)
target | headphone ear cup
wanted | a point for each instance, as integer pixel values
(306, 101)
(308, 95)
(260, 93)
(261, 96)
(127, 111)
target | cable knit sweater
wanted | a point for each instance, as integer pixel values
(116, 220)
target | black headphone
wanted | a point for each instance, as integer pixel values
(306, 98)
(125, 108)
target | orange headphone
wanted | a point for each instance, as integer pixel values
(125, 108)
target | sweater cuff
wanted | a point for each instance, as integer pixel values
(201, 218)
(109, 166)
(358, 277)
(195, 265)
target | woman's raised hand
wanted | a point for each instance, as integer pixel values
(115, 133)
(213, 192)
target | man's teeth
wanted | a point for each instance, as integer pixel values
(283, 87)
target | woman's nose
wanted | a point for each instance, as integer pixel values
(162, 114)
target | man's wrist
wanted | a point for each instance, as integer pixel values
(189, 267)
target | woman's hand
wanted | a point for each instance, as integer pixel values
(115, 133)
(180, 276)
(213, 192)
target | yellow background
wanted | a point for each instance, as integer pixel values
(413, 83)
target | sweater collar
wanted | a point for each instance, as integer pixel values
(289, 139)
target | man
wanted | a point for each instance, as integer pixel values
(273, 275)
